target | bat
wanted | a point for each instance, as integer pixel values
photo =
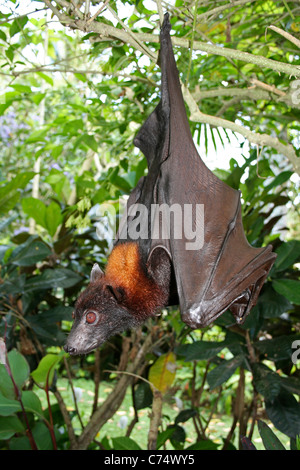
(202, 261)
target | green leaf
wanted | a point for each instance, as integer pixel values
(81, 77)
(6, 385)
(38, 97)
(8, 200)
(19, 443)
(14, 285)
(73, 126)
(9, 426)
(10, 192)
(32, 403)
(53, 217)
(184, 415)
(52, 278)
(2, 35)
(143, 396)
(118, 181)
(49, 217)
(56, 151)
(90, 141)
(201, 350)
(163, 436)
(10, 53)
(45, 77)
(279, 180)
(124, 443)
(287, 254)
(45, 369)
(42, 437)
(57, 314)
(21, 88)
(266, 382)
(289, 288)
(36, 209)
(271, 304)
(8, 407)
(203, 445)
(178, 436)
(59, 183)
(224, 371)
(270, 440)
(17, 25)
(277, 349)
(30, 253)
(19, 367)
(38, 135)
(284, 412)
(100, 196)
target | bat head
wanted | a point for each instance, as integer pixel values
(99, 314)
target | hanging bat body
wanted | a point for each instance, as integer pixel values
(202, 261)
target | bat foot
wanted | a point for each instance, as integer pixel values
(166, 26)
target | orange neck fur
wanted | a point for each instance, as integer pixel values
(124, 269)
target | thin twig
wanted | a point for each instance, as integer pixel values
(265, 86)
(97, 12)
(139, 43)
(155, 419)
(213, 409)
(132, 375)
(286, 35)
(192, 43)
(73, 391)
(136, 416)
(66, 417)
(160, 12)
(96, 379)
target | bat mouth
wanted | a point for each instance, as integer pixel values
(73, 351)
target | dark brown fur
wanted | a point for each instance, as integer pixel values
(124, 297)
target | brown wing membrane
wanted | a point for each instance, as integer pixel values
(219, 269)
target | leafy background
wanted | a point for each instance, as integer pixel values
(73, 96)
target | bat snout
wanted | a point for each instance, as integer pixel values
(69, 349)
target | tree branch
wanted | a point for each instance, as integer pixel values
(155, 419)
(207, 16)
(253, 137)
(251, 93)
(67, 419)
(287, 36)
(107, 33)
(114, 399)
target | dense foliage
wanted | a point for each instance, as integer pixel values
(73, 96)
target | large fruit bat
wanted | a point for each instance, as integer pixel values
(225, 272)
(208, 268)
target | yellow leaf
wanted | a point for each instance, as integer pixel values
(295, 27)
(163, 371)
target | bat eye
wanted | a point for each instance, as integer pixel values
(90, 317)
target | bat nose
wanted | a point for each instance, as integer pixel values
(69, 349)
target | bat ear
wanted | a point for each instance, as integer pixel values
(117, 292)
(96, 272)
